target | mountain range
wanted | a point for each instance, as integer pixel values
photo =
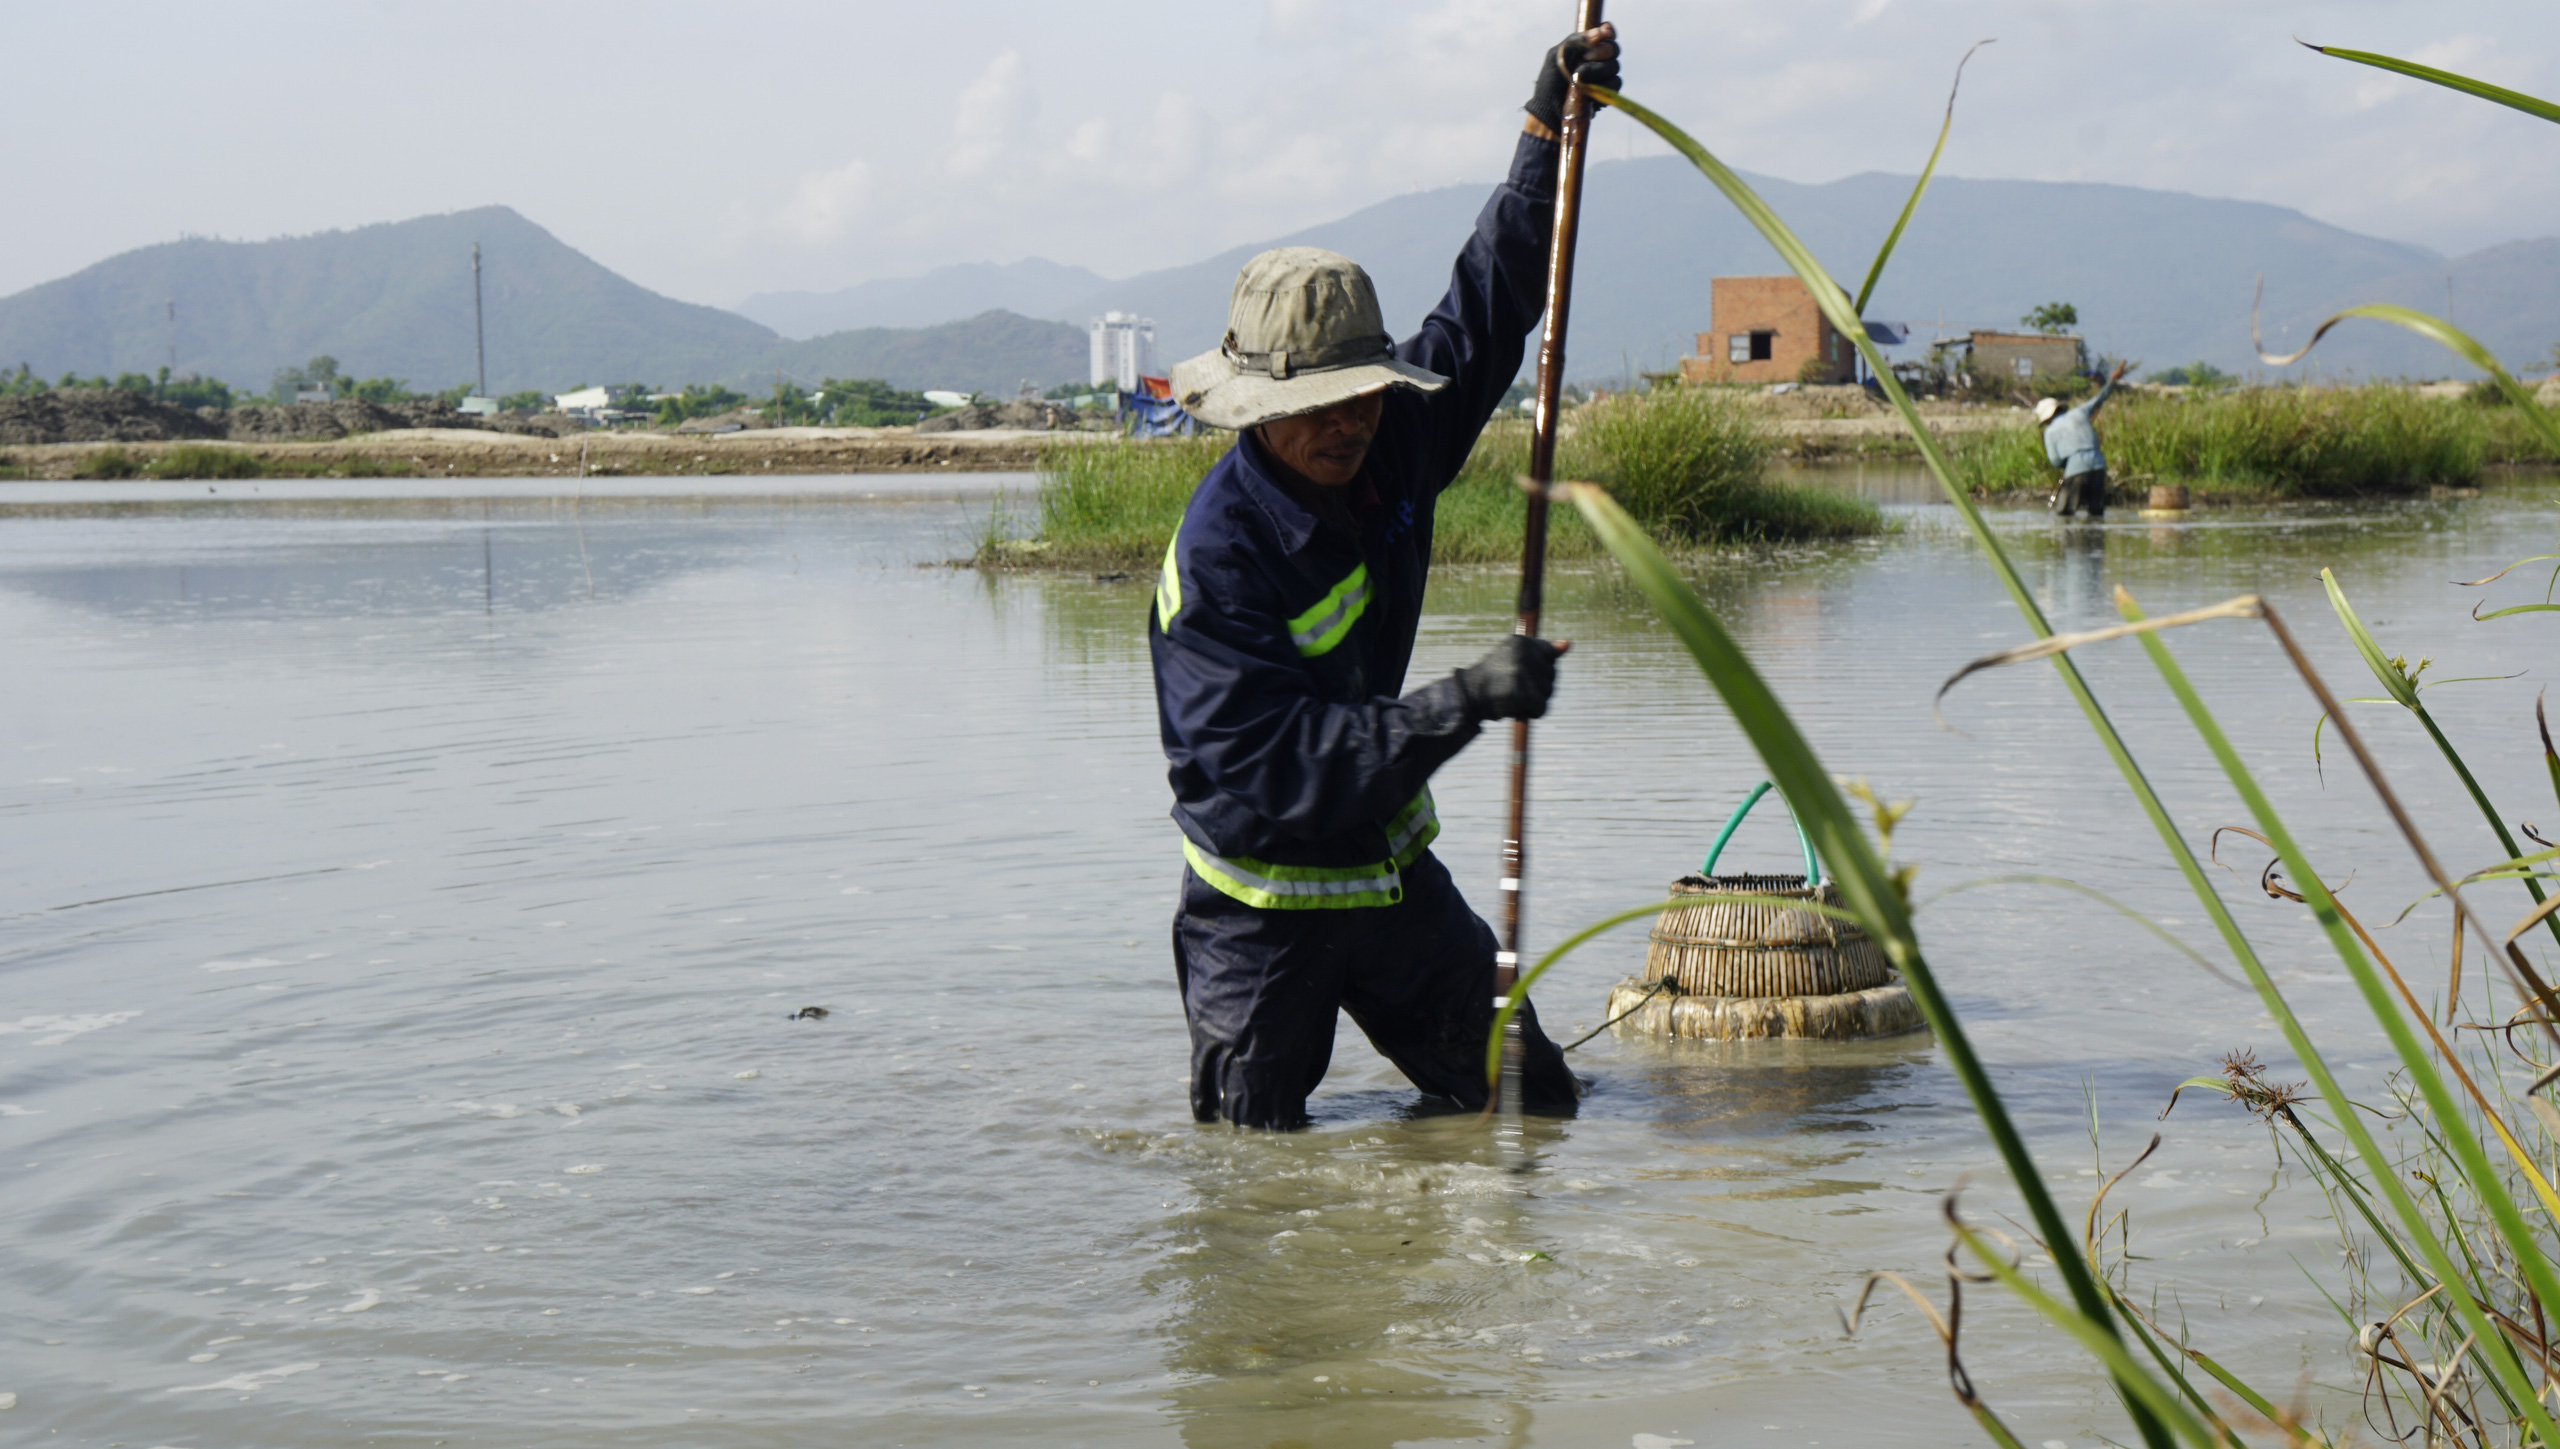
(1030, 288)
(2160, 276)
(395, 300)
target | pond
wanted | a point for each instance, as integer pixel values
(412, 902)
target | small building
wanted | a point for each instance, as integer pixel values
(1767, 329)
(588, 400)
(1123, 349)
(2021, 356)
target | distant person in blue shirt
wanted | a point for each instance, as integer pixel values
(2071, 444)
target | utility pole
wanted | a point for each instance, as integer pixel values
(479, 331)
(173, 335)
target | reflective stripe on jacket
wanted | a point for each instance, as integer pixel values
(1280, 641)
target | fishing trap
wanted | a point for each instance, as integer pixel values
(1719, 969)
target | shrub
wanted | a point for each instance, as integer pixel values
(1479, 516)
(697, 401)
(109, 463)
(1687, 462)
(869, 403)
(1689, 465)
(2270, 442)
(2071, 387)
(2514, 439)
(1109, 504)
(200, 461)
(2195, 374)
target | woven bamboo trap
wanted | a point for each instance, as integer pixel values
(1746, 969)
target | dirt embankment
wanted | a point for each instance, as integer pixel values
(1817, 422)
(119, 415)
(457, 453)
(112, 432)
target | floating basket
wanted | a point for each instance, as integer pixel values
(1721, 947)
(1849, 1016)
(2166, 500)
(1743, 969)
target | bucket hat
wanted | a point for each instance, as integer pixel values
(1303, 332)
(2046, 407)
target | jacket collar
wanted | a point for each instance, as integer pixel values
(1295, 523)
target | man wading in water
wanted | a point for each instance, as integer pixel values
(2071, 444)
(1282, 625)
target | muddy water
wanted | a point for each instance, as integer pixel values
(409, 904)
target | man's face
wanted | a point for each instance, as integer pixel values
(1326, 448)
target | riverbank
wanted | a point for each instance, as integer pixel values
(2267, 445)
(460, 453)
(2241, 445)
(1691, 465)
(2228, 447)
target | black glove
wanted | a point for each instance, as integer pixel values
(1512, 682)
(1592, 63)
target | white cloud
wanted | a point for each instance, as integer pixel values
(1092, 140)
(825, 158)
(995, 113)
(825, 203)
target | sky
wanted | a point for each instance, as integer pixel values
(712, 152)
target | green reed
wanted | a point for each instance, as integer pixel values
(1691, 464)
(200, 461)
(2486, 1279)
(1107, 504)
(2260, 444)
(203, 462)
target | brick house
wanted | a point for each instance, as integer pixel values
(2021, 356)
(1766, 329)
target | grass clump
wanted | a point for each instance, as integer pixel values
(1109, 505)
(209, 463)
(2260, 444)
(2513, 438)
(109, 463)
(1688, 463)
(196, 461)
(1479, 516)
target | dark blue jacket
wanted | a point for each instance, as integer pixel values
(1280, 640)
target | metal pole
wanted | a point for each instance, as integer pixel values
(479, 335)
(1533, 542)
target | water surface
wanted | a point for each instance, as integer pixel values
(408, 902)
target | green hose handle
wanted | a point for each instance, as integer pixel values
(1733, 822)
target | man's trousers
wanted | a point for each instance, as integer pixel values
(2085, 491)
(1261, 989)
